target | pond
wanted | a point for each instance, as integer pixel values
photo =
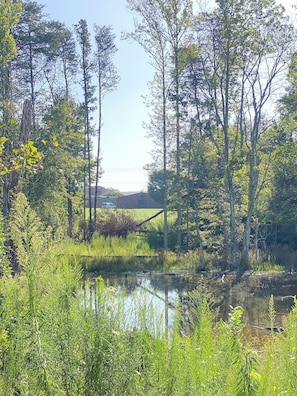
(161, 292)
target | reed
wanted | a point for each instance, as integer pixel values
(60, 335)
(89, 343)
(101, 246)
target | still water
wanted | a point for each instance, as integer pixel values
(157, 295)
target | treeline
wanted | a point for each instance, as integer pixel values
(53, 79)
(223, 103)
(223, 117)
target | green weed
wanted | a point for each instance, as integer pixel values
(60, 335)
(266, 266)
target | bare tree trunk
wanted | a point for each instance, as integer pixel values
(164, 110)
(201, 250)
(70, 214)
(253, 183)
(98, 153)
(70, 218)
(178, 167)
(229, 171)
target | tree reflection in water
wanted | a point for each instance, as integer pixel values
(161, 293)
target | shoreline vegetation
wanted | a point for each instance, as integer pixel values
(61, 336)
(56, 340)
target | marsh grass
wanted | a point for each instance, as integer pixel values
(110, 246)
(266, 266)
(89, 343)
(137, 251)
(112, 254)
(62, 336)
(117, 254)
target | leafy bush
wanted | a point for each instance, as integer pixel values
(115, 223)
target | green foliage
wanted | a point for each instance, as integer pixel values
(155, 231)
(62, 149)
(119, 246)
(205, 100)
(267, 267)
(218, 174)
(113, 254)
(249, 375)
(29, 240)
(278, 369)
(282, 203)
(60, 335)
(10, 12)
(24, 160)
(4, 262)
(27, 233)
(156, 185)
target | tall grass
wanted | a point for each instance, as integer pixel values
(101, 246)
(85, 344)
(117, 253)
(60, 336)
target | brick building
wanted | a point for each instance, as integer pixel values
(137, 200)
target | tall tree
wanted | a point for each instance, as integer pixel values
(107, 78)
(177, 17)
(242, 54)
(68, 58)
(281, 211)
(37, 44)
(10, 13)
(161, 33)
(271, 47)
(62, 62)
(62, 147)
(150, 34)
(87, 68)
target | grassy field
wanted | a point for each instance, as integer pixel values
(139, 214)
(144, 213)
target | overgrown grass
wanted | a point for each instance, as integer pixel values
(73, 339)
(110, 246)
(62, 336)
(113, 254)
(117, 254)
(266, 266)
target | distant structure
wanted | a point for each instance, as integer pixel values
(137, 200)
(129, 200)
(103, 195)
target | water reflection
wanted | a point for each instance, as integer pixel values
(161, 292)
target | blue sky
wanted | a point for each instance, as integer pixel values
(125, 147)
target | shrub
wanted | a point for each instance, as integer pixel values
(115, 223)
(109, 223)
